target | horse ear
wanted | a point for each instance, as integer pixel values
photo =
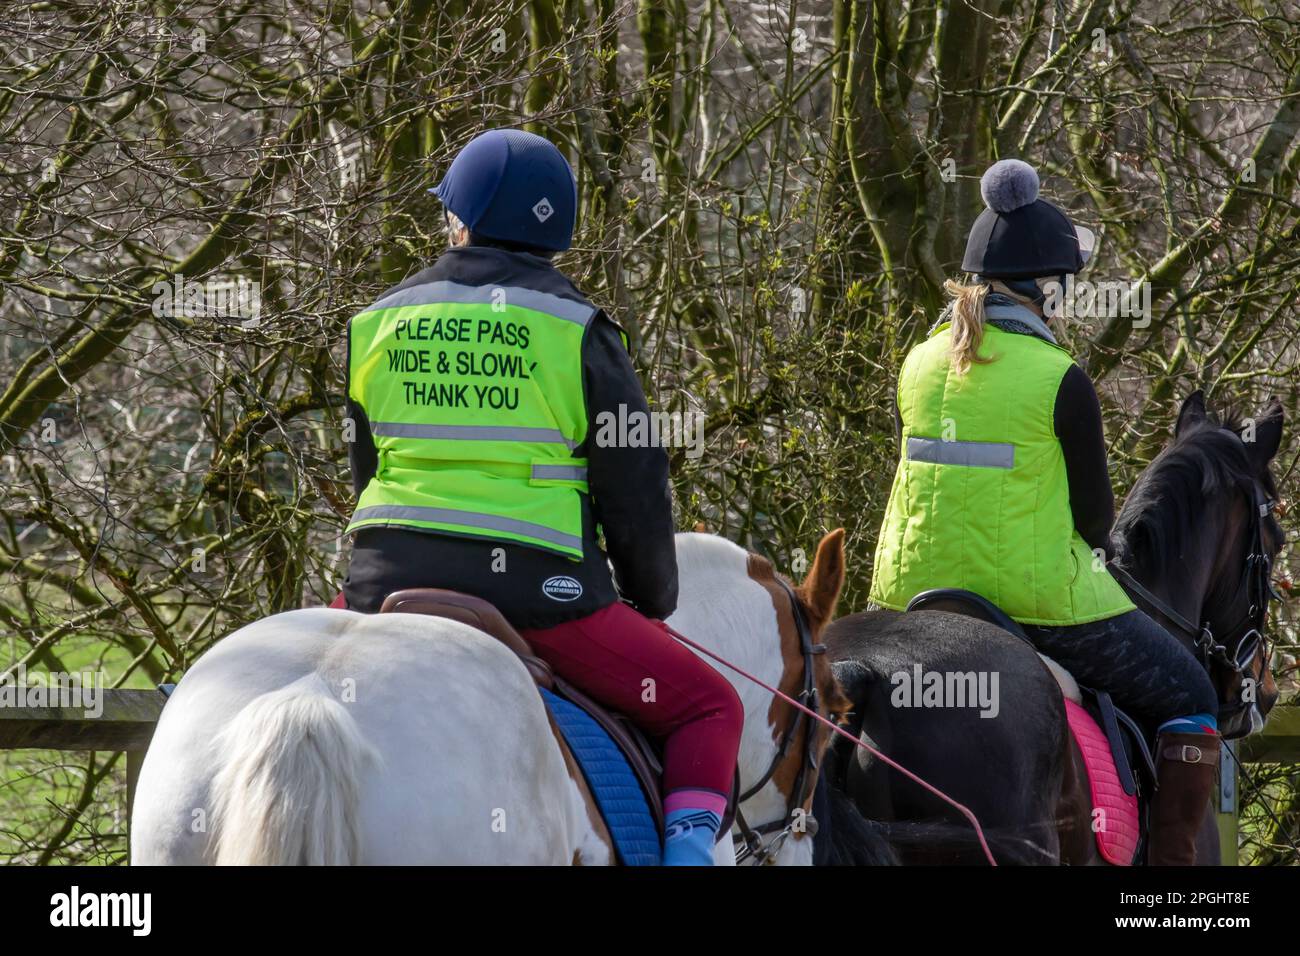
(821, 588)
(1192, 412)
(1263, 436)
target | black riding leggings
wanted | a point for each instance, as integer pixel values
(1146, 670)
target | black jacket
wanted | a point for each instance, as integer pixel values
(630, 501)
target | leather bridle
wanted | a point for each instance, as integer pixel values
(1245, 636)
(749, 841)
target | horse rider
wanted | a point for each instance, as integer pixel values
(1003, 489)
(475, 386)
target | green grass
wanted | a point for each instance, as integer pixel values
(40, 790)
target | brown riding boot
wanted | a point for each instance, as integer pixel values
(1185, 766)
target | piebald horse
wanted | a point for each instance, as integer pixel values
(323, 736)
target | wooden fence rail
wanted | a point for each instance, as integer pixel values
(129, 716)
(125, 723)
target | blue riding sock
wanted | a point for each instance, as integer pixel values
(689, 835)
(1191, 724)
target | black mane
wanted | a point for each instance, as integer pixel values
(1163, 513)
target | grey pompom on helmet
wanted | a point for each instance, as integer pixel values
(1019, 235)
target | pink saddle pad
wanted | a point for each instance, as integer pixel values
(1116, 826)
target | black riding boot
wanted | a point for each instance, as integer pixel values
(1185, 765)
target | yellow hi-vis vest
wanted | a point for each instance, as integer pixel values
(981, 500)
(475, 399)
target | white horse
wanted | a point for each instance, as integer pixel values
(329, 737)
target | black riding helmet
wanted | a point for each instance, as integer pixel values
(1019, 236)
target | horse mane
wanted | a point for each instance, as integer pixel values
(1163, 512)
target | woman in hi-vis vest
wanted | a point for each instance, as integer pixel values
(476, 386)
(1003, 490)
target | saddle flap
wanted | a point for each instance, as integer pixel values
(1128, 743)
(630, 740)
(1110, 724)
(471, 610)
(642, 758)
(612, 778)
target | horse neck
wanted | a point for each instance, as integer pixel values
(724, 608)
(1224, 592)
(1185, 581)
(733, 626)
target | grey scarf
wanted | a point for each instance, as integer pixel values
(1007, 314)
(1010, 316)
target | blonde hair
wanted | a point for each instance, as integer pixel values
(967, 322)
(455, 236)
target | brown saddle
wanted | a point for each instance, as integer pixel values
(480, 614)
(477, 613)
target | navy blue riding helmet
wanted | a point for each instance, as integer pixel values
(1020, 237)
(513, 186)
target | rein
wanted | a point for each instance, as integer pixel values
(752, 844)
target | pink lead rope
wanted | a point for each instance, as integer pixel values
(960, 808)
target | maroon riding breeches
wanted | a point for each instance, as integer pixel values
(633, 665)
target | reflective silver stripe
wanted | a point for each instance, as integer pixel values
(560, 472)
(973, 454)
(472, 433)
(468, 519)
(431, 293)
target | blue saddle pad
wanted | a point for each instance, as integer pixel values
(618, 792)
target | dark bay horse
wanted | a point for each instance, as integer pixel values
(1198, 535)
